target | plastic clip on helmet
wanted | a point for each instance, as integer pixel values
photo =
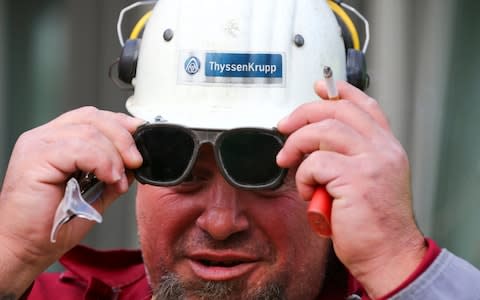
(222, 64)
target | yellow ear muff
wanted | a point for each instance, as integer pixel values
(347, 21)
(137, 29)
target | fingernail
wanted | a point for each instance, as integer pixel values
(116, 175)
(135, 154)
(139, 122)
(282, 121)
(279, 157)
(124, 183)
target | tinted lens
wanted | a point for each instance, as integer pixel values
(166, 152)
(249, 157)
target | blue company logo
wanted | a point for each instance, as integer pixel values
(244, 65)
(192, 65)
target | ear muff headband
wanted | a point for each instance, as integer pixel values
(340, 12)
(140, 25)
(337, 9)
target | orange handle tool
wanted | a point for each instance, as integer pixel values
(319, 212)
(320, 208)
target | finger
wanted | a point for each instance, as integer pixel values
(343, 110)
(121, 137)
(131, 123)
(112, 192)
(84, 147)
(116, 126)
(91, 112)
(327, 135)
(357, 96)
(123, 185)
(319, 168)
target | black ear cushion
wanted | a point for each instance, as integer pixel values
(357, 69)
(127, 65)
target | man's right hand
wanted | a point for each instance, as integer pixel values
(41, 163)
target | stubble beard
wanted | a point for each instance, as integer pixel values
(170, 287)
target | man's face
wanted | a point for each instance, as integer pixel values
(205, 239)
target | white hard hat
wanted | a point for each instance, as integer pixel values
(222, 64)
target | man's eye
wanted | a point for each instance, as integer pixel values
(194, 178)
(190, 184)
(288, 187)
(189, 178)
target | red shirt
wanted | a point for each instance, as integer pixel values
(120, 274)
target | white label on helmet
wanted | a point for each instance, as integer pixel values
(231, 68)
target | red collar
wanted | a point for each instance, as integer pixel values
(117, 268)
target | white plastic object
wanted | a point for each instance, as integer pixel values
(74, 204)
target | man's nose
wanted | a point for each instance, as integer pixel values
(222, 216)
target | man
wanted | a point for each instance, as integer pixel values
(209, 233)
(208, 239)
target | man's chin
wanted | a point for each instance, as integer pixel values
(171, 287)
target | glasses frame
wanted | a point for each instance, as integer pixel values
(215, 138)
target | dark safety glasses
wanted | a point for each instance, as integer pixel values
(246, 157)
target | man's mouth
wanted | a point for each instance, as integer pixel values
(221, 267)
(226, 264)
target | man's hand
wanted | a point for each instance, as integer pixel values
(347, 145)
(42, 161)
